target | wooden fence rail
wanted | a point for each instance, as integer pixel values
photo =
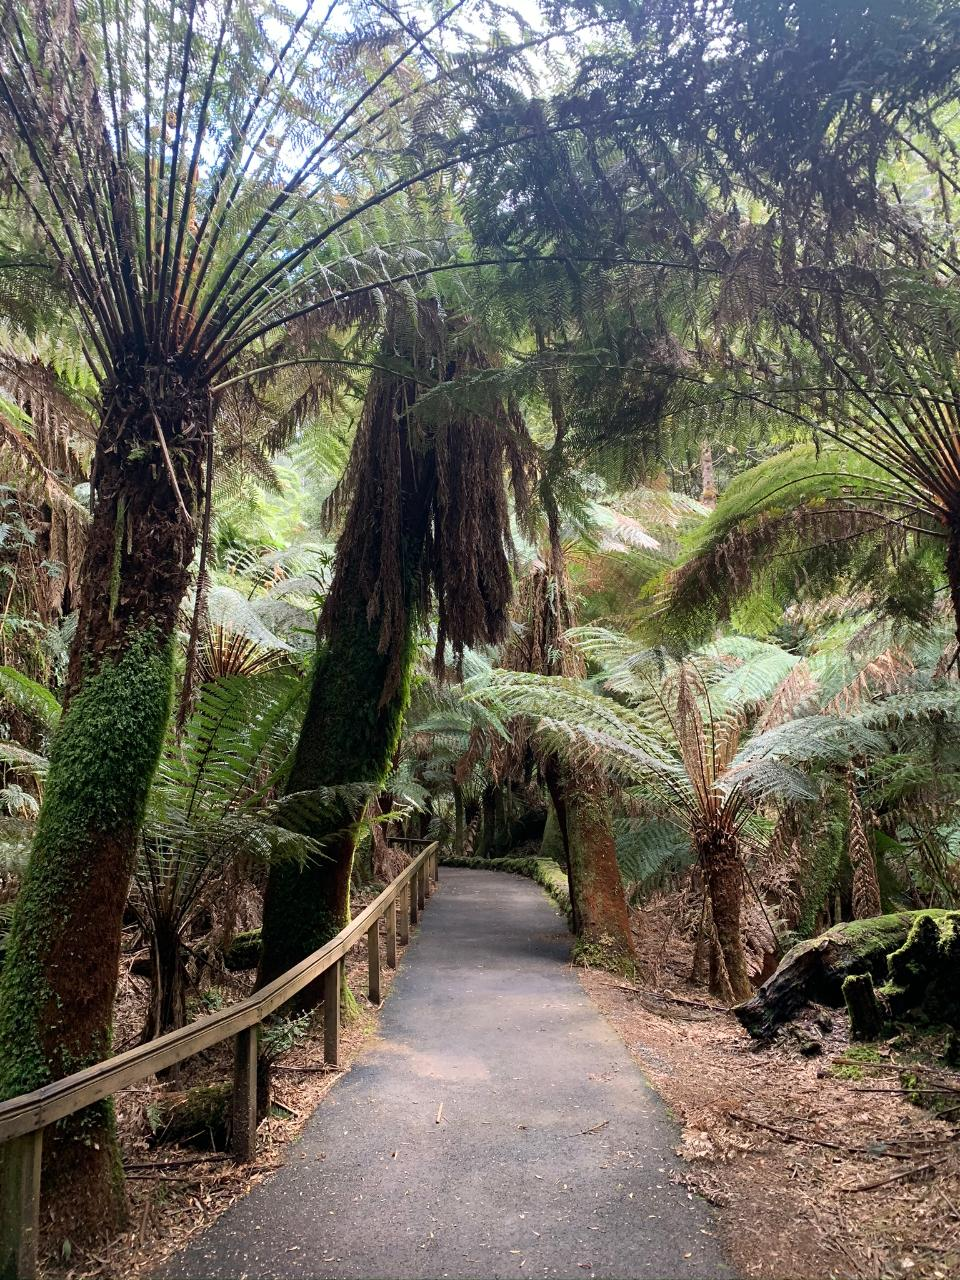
(23, 1119)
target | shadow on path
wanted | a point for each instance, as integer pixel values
(553, 1157)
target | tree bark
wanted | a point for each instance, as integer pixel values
(720, 858)
(351, 730)
(60, 976)
(168, 982)
(346, 738)
(866, 885)
(598, 904)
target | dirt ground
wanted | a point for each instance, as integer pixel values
(820, 1165)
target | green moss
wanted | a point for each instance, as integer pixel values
(603, 953)
(347, 738)
(846, 1071)
(102, 762)
(200, 1117)
(117, 559)
(923, 971)
(243, 952)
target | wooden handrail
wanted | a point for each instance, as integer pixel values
(23, 1119)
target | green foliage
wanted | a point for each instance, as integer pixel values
(794, 525)
(30, 697)
(650, 851)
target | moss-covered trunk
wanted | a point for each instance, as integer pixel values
(599, 907)
(359, 691)
(60, 976)
(347, 737)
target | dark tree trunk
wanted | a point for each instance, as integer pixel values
(351, 729)
(168, 982)
(61, 970)
(346, 738)
(488, 823)
(953, 573)
(459, 827)
(720, 859)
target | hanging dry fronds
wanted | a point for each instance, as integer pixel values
(425, 495)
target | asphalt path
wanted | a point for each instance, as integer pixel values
(497, 1127)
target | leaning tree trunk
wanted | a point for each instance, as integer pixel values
(346, 738)
(720, 859)
(60, 975)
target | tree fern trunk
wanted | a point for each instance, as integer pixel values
(459, 829)
(60, 976)
(599, 907)
(953, 573)
(720, 859)
(168, 982)
(347, 738)
(866, 886)
(359, 691)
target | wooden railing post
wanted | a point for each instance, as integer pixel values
(414, 890)
(243, 1136)
(331, 1015)
(373, 962)
(403, 913)
(20, 1206)
(422, 886)
(392, 933)
(436, 866)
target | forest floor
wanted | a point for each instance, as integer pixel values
(820, 1165)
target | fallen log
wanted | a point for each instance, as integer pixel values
(814, 971)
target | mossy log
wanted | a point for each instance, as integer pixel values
(814, 970)
(867, 1019)
(923, 971)
(197, 1117)
(243, 952)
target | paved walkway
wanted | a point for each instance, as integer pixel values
(552, 1156)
